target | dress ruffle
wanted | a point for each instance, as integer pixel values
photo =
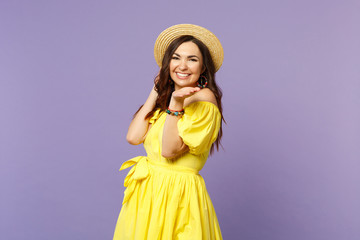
(200, 125)
(155, 116)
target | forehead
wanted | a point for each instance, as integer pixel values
(188, 48)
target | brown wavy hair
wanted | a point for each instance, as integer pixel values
(164, 87)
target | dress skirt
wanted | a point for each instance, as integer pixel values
(165, 201)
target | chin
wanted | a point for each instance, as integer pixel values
(187, 85)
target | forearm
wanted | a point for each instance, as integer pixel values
(139, 126)
(172, 143)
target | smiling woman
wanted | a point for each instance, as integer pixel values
(179, 125)
(186, 65)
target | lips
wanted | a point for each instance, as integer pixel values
(182, 75)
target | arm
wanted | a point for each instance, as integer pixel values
(139, 126)
(172, 144)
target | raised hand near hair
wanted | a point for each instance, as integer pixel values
(139, 125)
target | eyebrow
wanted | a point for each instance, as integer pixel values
(190, 56)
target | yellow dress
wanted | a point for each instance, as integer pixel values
(166, 199)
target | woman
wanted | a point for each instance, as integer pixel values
(179, 125)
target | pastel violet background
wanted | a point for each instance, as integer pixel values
(72, 73)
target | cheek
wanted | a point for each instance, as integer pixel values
(196, 69)
(171, 67)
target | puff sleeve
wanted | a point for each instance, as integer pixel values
(199, 126)
(155, 116)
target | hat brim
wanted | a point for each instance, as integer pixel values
(208, 38)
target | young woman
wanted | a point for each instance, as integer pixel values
(179, 125)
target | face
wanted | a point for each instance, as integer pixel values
(186, 65)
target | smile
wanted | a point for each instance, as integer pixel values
(182, 75)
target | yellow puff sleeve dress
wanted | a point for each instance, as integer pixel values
(166, 199)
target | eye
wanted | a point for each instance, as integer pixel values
(193, 59)
(175, 57)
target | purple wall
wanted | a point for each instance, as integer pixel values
(72, 73)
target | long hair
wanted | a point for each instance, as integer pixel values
(164, 88)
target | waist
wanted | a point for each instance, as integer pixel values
(157, 165)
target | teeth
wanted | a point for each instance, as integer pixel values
(182, 74)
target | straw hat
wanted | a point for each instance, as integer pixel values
(208, 38)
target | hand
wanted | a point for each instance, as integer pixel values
(184, 92)
(178, 97)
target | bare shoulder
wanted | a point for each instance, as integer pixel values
(205, 95)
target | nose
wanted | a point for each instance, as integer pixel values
(183, 65)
